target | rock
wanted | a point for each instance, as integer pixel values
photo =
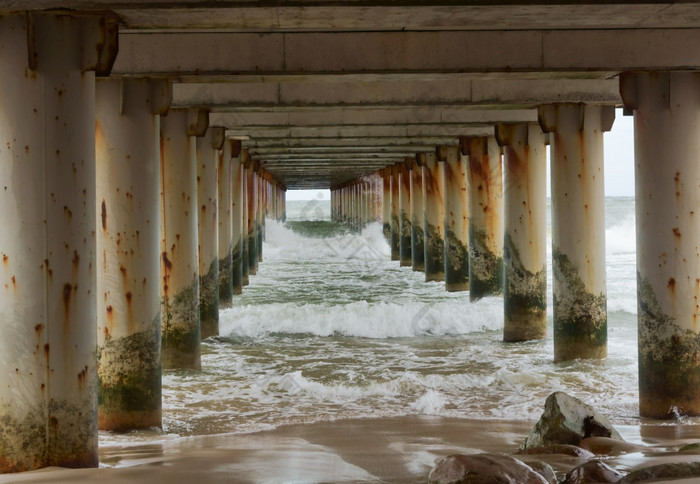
(543, 469)
(608, 446)
(690, 448)
(561, 449)
(568, 420)
(483, 469)
(590, 472)
(663, 471)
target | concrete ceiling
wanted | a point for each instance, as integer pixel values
(322, 92)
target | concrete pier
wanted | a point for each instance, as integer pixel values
(225, 230)
(417, 214)
(405, 250)
(237, 215)
(48, 404)
(127, 147)
(434, 218)
(252, 204)
(259, 211)
(524, 252)
(395, 215)
(485, 187)
(456, 218)
(667, 175)
(245, 254)
(180, 324)
(578, 228)
(385, 173)
(207, 150)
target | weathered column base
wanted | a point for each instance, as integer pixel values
(485, 268)
(209, 301)
(457, 261)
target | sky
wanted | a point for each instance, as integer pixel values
(619, 163)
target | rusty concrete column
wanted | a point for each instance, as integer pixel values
(245, 256)
(180, 324)
(417, 214)
(207, 148)
(252, 205)
(524, 252)
(667, 175)
(127, 147)
(433, 218)
(578, 228)
(259, 211)
(485, 187)
(405, 251)
(385, 173)
(284, 203)
(456, 218)
(395, 226)
(225, 244)
(48, 403)
(234, 147)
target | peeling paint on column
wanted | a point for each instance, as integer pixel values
(524, 296)
(405, 257)
(395, 222)
(417, 242)
(434, 218)
(485, 187)
(580, 323)
(456, 218)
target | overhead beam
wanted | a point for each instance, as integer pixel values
(347, 144)
(257, 132)
(227, 54)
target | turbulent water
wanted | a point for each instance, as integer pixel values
(331, 328)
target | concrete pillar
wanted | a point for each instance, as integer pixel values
(417, 214)
(405, 251)
(252, 199)
(456, 218)
(395, 225)
(245, 255)
(225, 245)
(48, 403)
(524, 252)
(434, 218)
(180, 324)
(578, 228)
(208, 217)
(284, 203)
(485, 187)
(234, 147)
(667, 175)
(259, 211)
(127, 147)
(385, 173)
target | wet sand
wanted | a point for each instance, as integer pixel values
(394, 450)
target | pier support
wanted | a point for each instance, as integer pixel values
(233, 148)
(667, 175)
(578, 228)
(417, 214)
(434, 218)
(48, 403)
(405, 257)
(245, 256)
(456, 218)
(127, 139)
(385, 173)
(524, 252)
(252, 199)
(485, 187)
(259, 211)
(225, 245)
(395, 223)
(208, 147)
(180, 324)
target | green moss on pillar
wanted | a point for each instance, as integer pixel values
(456, 263)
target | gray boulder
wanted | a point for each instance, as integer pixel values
(568, 420)
(483, 469)
(593, 471)
(543, 469)
(663, 471)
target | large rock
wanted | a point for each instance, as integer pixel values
(593, 471)
(483, 469)
(560, 449)
(663, 471)
(608, 446)
(567, 420)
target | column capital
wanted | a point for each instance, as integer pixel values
(197, 121)
(551, 116)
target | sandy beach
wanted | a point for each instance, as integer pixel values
(394, 450)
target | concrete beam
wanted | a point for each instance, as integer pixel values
(378, 53)
(448, 90)
(359, 116)
(340, 132)
(347, 144)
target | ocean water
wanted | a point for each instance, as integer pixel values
(331, 328)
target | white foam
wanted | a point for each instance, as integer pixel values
(430, 403)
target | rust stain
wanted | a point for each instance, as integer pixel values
(167, 267)
(5, 259)
(676, 232)
(82, 376)
(67, 290)
(671, 284)
(104, 215)
(14, 282)
(47, 351)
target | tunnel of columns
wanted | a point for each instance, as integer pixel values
(145, 146)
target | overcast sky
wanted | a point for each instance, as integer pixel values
(619, 163)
